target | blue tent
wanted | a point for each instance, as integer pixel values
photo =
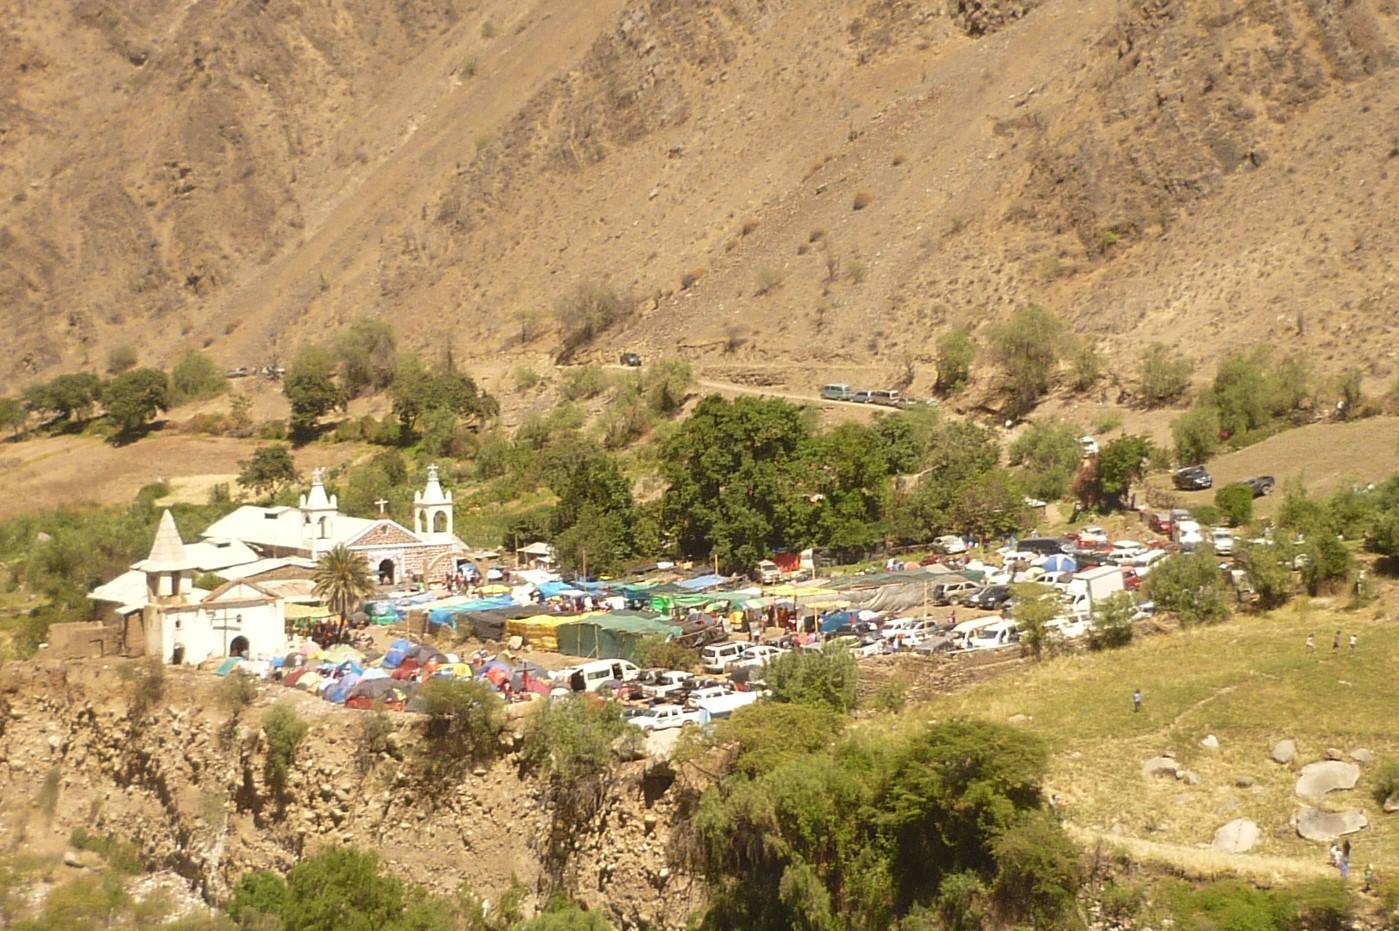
(836, 620)
(341, 690)
(1060, 563)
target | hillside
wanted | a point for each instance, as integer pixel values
(245, 176)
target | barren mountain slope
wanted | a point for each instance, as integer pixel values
(1209, 174)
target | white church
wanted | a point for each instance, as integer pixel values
(258, 550)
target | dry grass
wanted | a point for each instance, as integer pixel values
(1248, 681)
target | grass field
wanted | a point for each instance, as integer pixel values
(1250, 682)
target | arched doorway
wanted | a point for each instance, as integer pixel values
(439, 522)
(386, 571)
(239, 646)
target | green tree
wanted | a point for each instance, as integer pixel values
(1121, 463)
(416, 391)
(312, 388)
(1048, 455)
(1189, 586)
(593, 519)
(1039, 871)
(267, 471)
(257, 894)
(134, 397)
(1085, 364)
(1112, 621)
(1268, 570)
(561, 914)
(847, 476)
(1236, 503)
(1034, 606)
(1196, 435)
(195, 377)
(367, 351)
(733, 483)
(342, 579)
(12, 415)
(956, 353)
(989, 506)
(1164, 375)
(826, 678)
(666, 384)
(1328, 562)
(1027, 347)
(66, 397)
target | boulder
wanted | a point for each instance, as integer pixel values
(1333, 753)
(1238, 836)
(1391, 804)
(1189, 777)
(1326, 776)
(1161, 766)
(1210, 742)
(1362, 756)
(1284, 751)
(1315, 824)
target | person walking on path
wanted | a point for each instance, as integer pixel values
(1311, 643)
(1336, 642)
(1136, 700)
(1352, 642)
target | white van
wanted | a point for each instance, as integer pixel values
(717, 657)
(963, 632)
(1000, 633)
(589, 677)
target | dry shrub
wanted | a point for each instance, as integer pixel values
(862, 200)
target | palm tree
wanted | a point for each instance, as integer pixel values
(342, 579)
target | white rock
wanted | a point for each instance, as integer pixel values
(1326, 776)
(1284, 751)
(1210, 742)
(1315, 824)
(1238, 836)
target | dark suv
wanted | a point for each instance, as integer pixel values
(1193, 478)
(1261, 484)
(631, 360)
(991, 598)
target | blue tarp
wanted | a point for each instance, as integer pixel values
(700, 583)
(1060, 563)
(448, 616)
(836, 620)
(341, 690)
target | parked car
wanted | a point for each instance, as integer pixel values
(1189, 535)
(663, 683)
(718, 656)
(1000, 633)
(899, 625)
(591, 677)
(1044, 546)
(952, 592)
(1160, 522)
(769, 572)
(950, 545)
(1223, 541)
(1092, 535)
(836, 392)
(631, 360)
(990, 598)
(1124, 551)
(860, 397)
(1261, 484)
(664, 717)
(885, 397)
(758, 654)
(1193, 478)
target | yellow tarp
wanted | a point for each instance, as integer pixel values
(296, 612)
(542, 631)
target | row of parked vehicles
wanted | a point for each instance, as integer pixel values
(886, 397)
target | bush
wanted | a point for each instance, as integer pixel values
(1112, 622)
(256, 894)
(1386, 782)
(121, 358)
(583, 382)
(1196, 435)
(1039, 872)
(1085, 364)
(956, 353)
(1208, 515)
(1035, 605)
(1121, 901)
(563, 914)
(1164, 375)
(660, 653)
(825, 678)
(464, 719)
(341, 888)
(1049, 454)
(766, 280)
(146, 684)
(284, 730)
(1189, 586)
(1268, 569)
(1027, 347)
(1235, 502)
(960, 903)
(237, 692)
(122, 856)
(586, 312)
(196, 377)
(525, 378)
(761, 738)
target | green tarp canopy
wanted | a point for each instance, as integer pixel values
(612, 636)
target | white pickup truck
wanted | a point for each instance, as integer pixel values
(664, 717)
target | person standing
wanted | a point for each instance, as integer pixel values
(1353, 639)
(1136, 700)
(1311, 643)
(1336, 642)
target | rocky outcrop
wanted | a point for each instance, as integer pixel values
(1325, 776)
(1315, 824)
(1161, 766)
(186, 781)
